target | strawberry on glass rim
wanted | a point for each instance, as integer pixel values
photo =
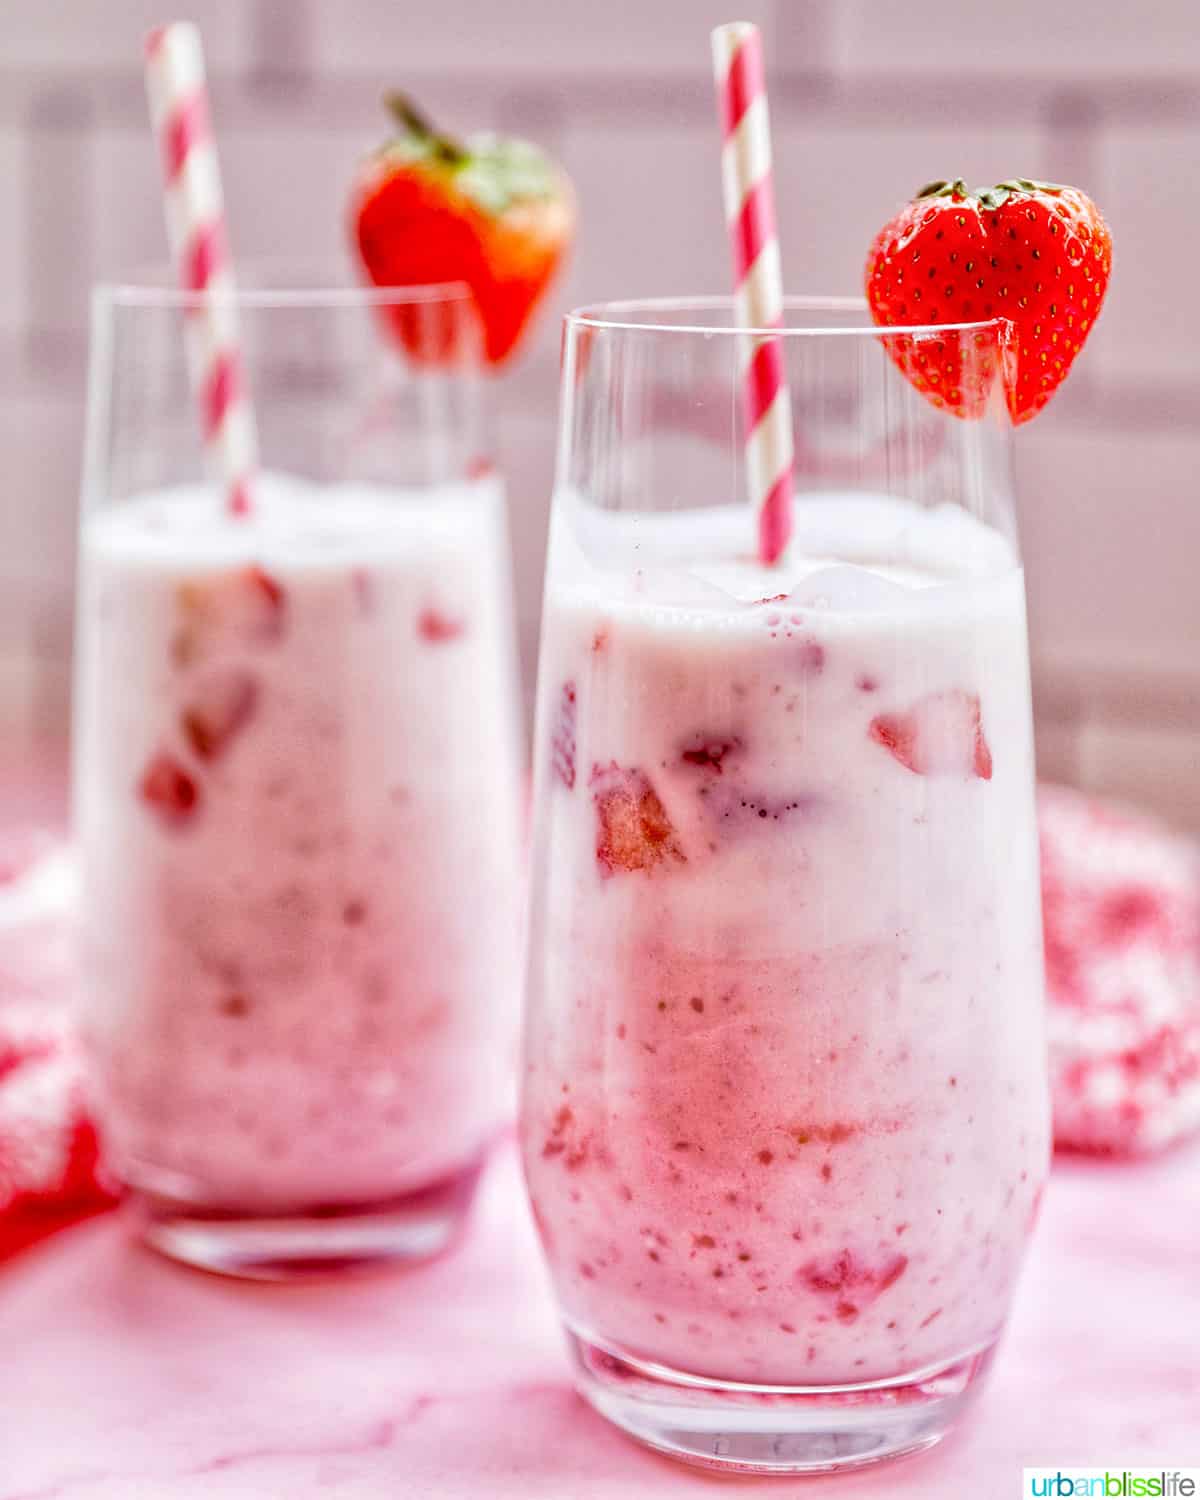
(1034, 253)
(492, 212)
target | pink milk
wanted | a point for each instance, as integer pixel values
(781, 1123)
(297, 791)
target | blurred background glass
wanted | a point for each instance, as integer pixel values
(868, 102)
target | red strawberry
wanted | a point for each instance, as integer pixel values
(434, 626)
(941, 734)
(633, 831)
(168, 790)
(221, 704)
(1031, 252)
(562, 741)
(494, 213)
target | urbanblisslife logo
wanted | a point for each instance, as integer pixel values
(1113, 1484)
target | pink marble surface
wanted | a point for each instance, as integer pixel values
(125, 1378)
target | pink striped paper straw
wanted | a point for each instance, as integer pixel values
(179, 113)
(758, 280)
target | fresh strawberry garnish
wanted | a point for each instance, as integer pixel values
(433, 625)
(220, 705)
(496, 214)
(168, 790)
(941, 734)
(1031, 252)
(633, 831)
(562, 740)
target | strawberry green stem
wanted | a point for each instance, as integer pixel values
(414, 123)
(989, 197)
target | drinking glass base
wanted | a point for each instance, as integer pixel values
(315, 1241)
(753, 1429)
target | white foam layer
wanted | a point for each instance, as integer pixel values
(295, 525)
(849, 553)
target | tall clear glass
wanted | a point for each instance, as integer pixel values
(297, 780)
(784, 1115)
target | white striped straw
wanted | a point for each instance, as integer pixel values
(182, 122)
(758, 280)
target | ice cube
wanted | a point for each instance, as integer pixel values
(849, 588)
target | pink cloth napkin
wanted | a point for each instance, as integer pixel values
(1121, 903)
(1121, 897)
(50, 1171)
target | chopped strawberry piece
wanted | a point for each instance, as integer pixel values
(942, 734)
(850, 1281)
(268, 588)
(168, 790)
(246, 602)
(433, 625)
(709, 754)
(572, 1146)
(562, 741)
(220, 706)
(633, 831)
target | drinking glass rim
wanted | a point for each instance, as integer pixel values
(156, 288)
(607, 316)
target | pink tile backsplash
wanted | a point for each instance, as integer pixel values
(1055, 40)
(53, 39)
(1156, 767)
(1110, 525)
(534, 40)
(1146, 176)
(868, 101)
(653, 219)
(839, 180)
(14, 241)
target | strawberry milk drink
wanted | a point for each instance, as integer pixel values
(298, 797)
(781, 1126)
(297, 759)
(785, 1117)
